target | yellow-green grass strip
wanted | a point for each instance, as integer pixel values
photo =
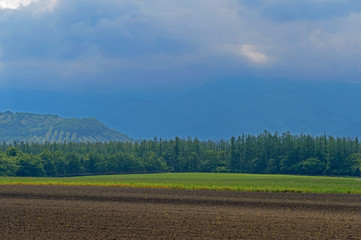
(205, 181)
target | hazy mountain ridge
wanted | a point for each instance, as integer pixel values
(213, 111)
(41, 128)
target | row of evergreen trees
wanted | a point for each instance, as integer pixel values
(265, 153)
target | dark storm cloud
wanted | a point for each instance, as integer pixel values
(121, 43)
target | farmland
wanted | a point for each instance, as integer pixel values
(180, 206)
(90, 212)
(206, 181)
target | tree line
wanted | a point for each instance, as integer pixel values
(267, 152)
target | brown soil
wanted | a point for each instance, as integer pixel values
(63, 212)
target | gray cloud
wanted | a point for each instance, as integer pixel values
(285, 10)
(83, 28)
(153, 43)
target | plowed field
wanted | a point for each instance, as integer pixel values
(65, 212)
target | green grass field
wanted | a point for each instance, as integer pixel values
(206, 181)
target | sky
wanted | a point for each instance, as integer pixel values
(120, 44)
(92, 47)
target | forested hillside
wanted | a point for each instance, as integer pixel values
(265, 153)
(41, 128)
(212, 111)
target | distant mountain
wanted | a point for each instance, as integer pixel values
(215, 110)
(43, 128)
(353, 130)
